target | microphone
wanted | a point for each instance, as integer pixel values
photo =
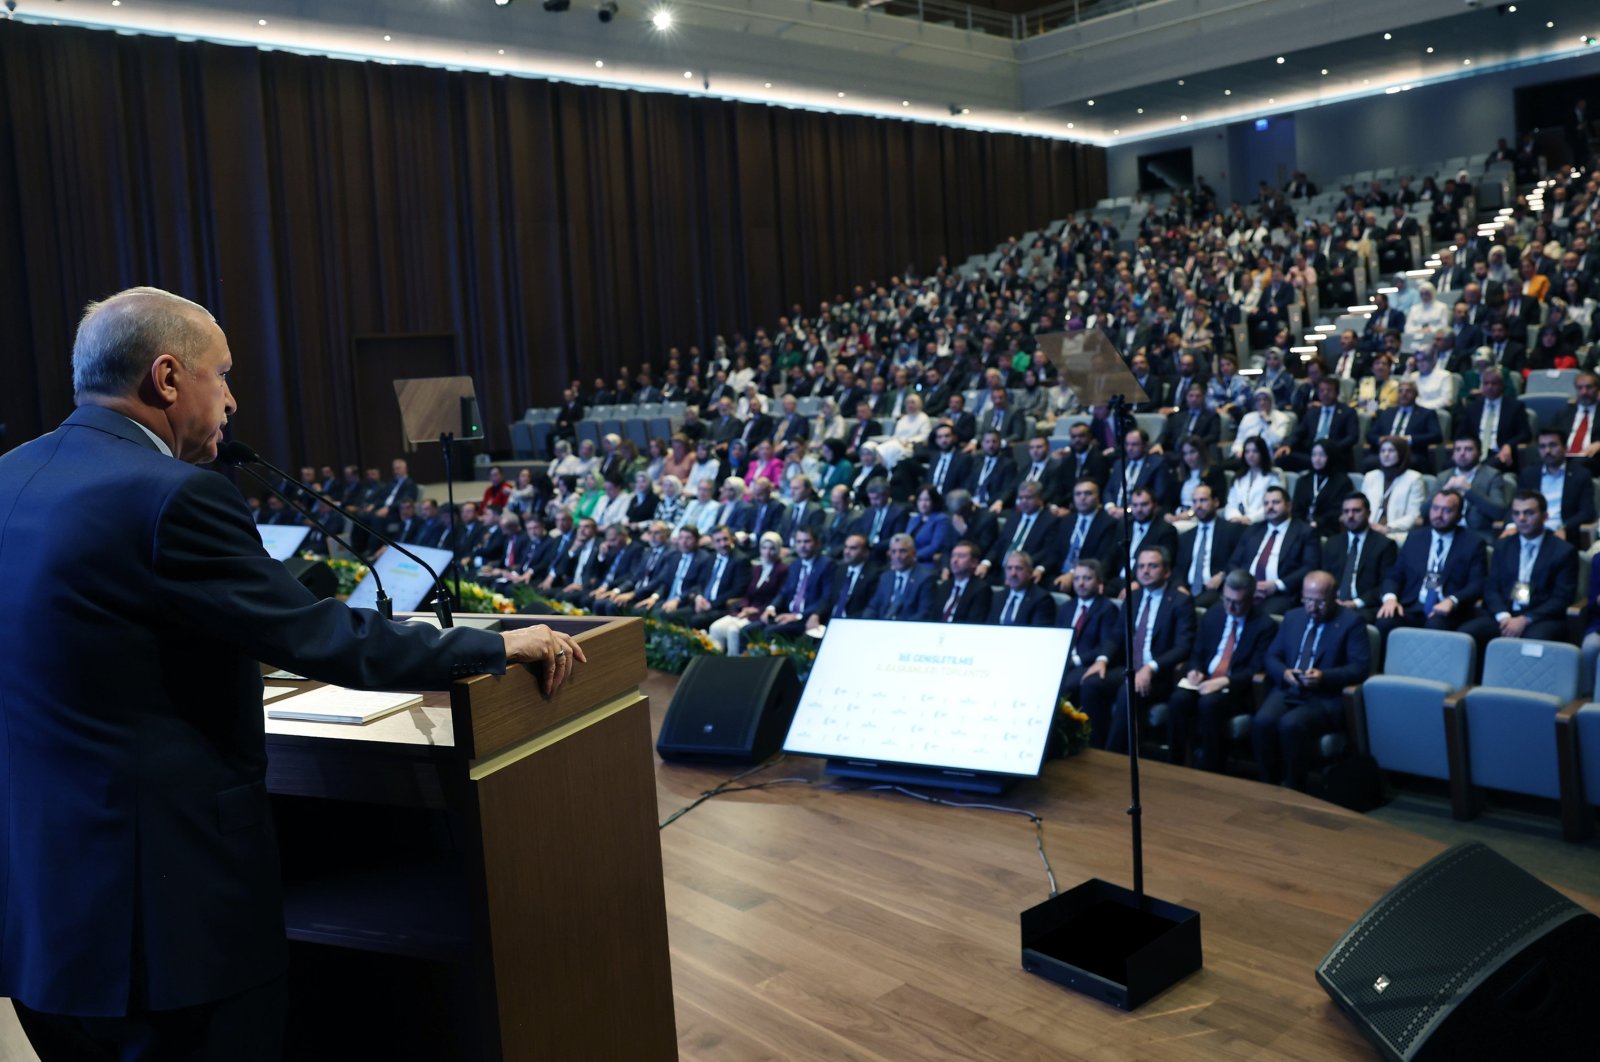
(385, 606)
(235, 452)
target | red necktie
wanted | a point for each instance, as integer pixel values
(1077, 624)
(1266, 555)
(1221, 670)
(1580, 434)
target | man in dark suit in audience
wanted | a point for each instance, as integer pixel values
(1566, 485)
(757, 514)
(1096, 625)
(1194, 419)
(1154, 387)
(855, 579)
(1020, 603)
(1230, 647)
(1088, 531)
(1328, 421)
(965, 424)
(948, 466)
(679, 584)
(994, 473)
(1319, 650)
(725, 427)
(1579, 423)
(1031, 528)
(1280, 551)
(1482, 488)
(1000, 417)
(1533, 577)
(879, 520)
(862, 430)
(1163, 638)
(409, 524)
(905, 588)
(1136, 470)
(1083, 459)
(791, 426)
(1357, 557)
(1499, 421)
(1438, 579)
(837, 521)
(1143, 530)
(963, 597)
(1419, 425)
(1048, 472)
(1204, 549)
(807, 591)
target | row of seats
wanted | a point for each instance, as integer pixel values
(1522, 729)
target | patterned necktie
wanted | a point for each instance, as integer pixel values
(1226, 660)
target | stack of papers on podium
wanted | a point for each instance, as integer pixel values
(336, 704)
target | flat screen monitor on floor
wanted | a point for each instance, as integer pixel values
(282, 541)
(407, 583)
(931, 703)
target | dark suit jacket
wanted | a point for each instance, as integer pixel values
(735, 578)
(1377, 556)
(956, 473)
(1512, 428)
(756, 430)
(894, 521)
(971, 607)
(693, 579)
(1038, 608)
(1090, 465)
(1462, 575)
(1322, 513)
(1249, 653)
(818, 588)
(1041, 544)
(916, 603)
(1207, 426)
(1013, 425)
(1299, 553)
(848, 602)
(151, 764)
(801, 514)
(1000, 483)
(1152, 477)
(1173, 638)
(1159, 533)
(1577, 495)
(1423, 428)
(1100, 541)
(792, 429)
(1554, 582)
(1344, 434)
(1102, 630)
(1568, 421)
(1225, 536)
(1343, 655)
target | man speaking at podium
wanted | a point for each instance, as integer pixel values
(139, 884)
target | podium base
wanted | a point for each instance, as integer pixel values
(1105, 941)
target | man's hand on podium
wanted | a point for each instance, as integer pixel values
(558, 653)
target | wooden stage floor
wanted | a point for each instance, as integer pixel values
(808, 922)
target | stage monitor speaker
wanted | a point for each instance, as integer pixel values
(733, 709)
(1470, 957)
(314, 575)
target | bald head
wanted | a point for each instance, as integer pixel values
(120, 337)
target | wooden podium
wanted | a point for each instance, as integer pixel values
(479, 877)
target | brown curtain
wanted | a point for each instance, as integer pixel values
(555, 230)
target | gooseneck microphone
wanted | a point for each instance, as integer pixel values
(385, 606)
(235, 452)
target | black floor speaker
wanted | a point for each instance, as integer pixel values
(1471, 957)
(732, 709)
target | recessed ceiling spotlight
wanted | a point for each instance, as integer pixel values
(387, 37)
(905, 103)
(1430, 49)
(966, 110)
(1116, 132)
(1324, 71)
(1549, 25)
(766, 84)
(1388, 36)
(599, 63)
(841, 95)
(1272, 99)
(1091, 103)
(261, 22)
(1141, 110)
(688, 74)
(1183, 117)
(1069, 125)
(662, 19)
(1466, 62)
(1180, 81)
(1280, 60)
(1227, 92)
(502, 51)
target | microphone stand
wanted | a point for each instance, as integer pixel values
(236, 452)
(385, 605)
(446, 443)
(1120, 420)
